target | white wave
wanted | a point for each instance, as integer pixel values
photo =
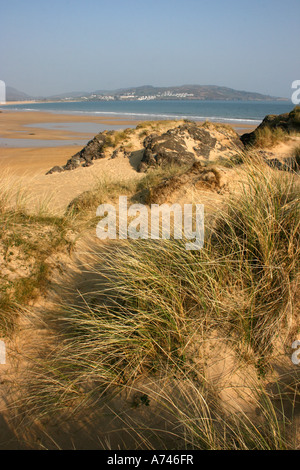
(174, 116)
(137, 115)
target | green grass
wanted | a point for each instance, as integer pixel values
(27, 240)
(199, 420)
(267, 137)
(157, 305)
(296, 155)
(155, 176)
(259, 236)
(84, 206)
(155, 125)
(149, 127)
(114, 138)
(277, 129)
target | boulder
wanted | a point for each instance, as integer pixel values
(55, 169)
(188, 143)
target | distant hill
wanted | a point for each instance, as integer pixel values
(15, 95)
(202, 92)
(205, 92)
(149, 92)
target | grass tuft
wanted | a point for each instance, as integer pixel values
(158, 307)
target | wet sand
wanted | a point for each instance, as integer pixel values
(21, 125)
(36, 160)
(18, 124)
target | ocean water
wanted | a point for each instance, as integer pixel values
(232, 112)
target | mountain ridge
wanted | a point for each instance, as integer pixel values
(150, 92)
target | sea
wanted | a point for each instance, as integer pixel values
(232, 112)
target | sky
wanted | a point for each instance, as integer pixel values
(58, 46)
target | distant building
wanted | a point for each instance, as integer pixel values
(127, 97)
(147, 98)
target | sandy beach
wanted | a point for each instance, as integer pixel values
(36, 160)
(73, 271)
(21, 126)
(28, 166)
(150, 229)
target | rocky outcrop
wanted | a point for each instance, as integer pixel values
(279, 162)
(289, 123)
(291, 164)
(120, 151)
(181, 145)
(92, 151)
(166, 148)
(189, 143)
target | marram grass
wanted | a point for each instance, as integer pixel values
(156, 304)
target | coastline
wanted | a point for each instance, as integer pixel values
(37, 158)
(22, 124)
(225, 112)
(16, 103)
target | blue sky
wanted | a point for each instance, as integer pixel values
(49, 47)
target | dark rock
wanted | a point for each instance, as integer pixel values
(293, 163)
(288, 122)
(174, 146)
(169, 147)
(55, 169)
(93, 150)
(288, 164)
(120, 152)
(115, 154)
(275, 163)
